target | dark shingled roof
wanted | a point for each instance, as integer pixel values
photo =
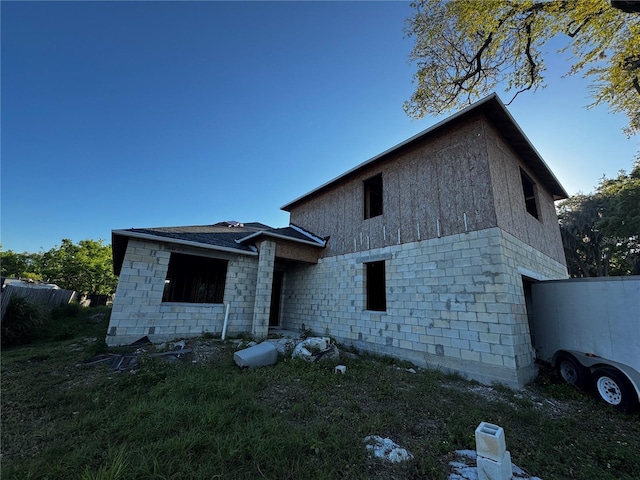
(293, 232)
(220, 234)
(226, 236)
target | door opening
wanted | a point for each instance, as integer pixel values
(528, 300)
(276, 297)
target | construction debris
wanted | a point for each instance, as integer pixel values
(386, 449)
(115, 361)
(120, 362)
(261, 355)
(464, 467)
(315, 349)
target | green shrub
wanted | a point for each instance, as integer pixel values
(21, 321)
(97, 347)
(70, 310)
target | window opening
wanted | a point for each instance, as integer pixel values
(194, 279)
(529, 190)
(376, 286)
(373, 196)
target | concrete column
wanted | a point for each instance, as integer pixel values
(262, 305)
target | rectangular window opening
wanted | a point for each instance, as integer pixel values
(529, 189)
(373, 196)
(376, 286)
(194, 279)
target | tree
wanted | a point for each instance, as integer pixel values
(621, 217)
(585, 246)
(601, 231)
(19, 265)
(86, 267)
(463, 49)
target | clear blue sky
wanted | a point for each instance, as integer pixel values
(144, 114)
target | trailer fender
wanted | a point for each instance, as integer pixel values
(593, 363)
(571, 370)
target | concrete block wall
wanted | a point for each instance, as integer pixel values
(521, 260)
(454, 303)
(138, 309)
(262, 305)
(240, 294)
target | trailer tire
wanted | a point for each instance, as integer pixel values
(571, 370)
(613, 388)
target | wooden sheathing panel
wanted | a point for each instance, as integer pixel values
(464, 183)
(542, 233)
(392, 202)
(428, 189)
(295, 251)
(426, 194)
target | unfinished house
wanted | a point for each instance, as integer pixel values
(425, 253)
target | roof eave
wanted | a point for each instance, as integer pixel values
(503, 118)
(281, 237)
(177, 241)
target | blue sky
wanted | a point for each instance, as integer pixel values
(144, 114)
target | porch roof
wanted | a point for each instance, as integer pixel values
(230, 237)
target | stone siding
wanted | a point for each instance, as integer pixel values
(138, 309)
(455, 303)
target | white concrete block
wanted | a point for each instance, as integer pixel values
(490, 441)
(489, 469)
(259, 355)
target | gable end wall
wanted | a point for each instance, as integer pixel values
(504, 166)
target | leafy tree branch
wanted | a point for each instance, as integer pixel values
(463, 49)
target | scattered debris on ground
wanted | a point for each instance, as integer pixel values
(120, 362)
(464, 467)
(316, 349)
(554, 408)
(313, 349)
(114, 360)
(285, 345)
(206, 350)
(260, 355)
(386, 449)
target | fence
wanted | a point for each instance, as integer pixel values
(45, 296)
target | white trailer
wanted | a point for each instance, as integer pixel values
(589, 330)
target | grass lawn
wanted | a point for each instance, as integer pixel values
(200, 417)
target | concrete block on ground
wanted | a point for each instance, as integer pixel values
(490, 441)
(489, 469)
(261, 355)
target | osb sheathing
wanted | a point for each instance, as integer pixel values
(294, 251)
(428, 191)
(542, 233)
(465, 178)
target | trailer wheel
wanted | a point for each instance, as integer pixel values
(614, 389)
(571, 371)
